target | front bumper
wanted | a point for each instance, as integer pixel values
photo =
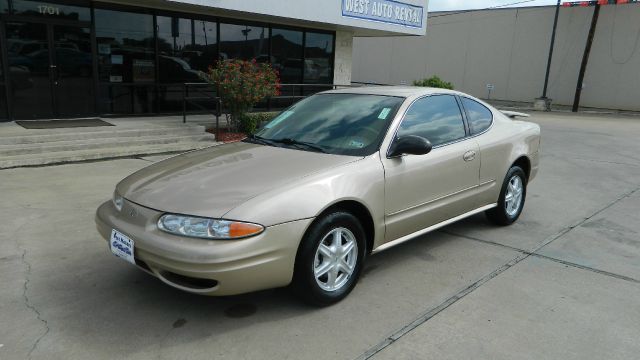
(208, 267)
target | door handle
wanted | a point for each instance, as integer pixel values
(469, 155)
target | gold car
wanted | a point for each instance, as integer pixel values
(334, 178)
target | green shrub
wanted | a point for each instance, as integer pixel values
(434, 82)
(250, 122)
(242, 84)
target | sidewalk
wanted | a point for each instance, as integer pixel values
(13, 129)
(129, 137)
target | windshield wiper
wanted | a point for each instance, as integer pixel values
(261, 140)
(300, 144)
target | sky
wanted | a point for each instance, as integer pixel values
(445, 5)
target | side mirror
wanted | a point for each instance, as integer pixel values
(410, 145)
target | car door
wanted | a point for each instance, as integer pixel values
(423, 190)
(493, 152)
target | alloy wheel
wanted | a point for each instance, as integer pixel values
(335, 259)
(513, 197)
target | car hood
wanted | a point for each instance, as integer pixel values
(212, 181)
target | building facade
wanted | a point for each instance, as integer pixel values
(508, 49)
(79, 58)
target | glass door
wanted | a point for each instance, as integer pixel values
(72, 73)
(51, 70)
(30, 64)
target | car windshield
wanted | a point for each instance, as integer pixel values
(342, 124)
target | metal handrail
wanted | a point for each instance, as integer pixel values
(187, 99)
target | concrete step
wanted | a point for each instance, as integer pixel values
(107, 132)
(101, 143)
(94, 154)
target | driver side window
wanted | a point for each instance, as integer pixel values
(436, 118)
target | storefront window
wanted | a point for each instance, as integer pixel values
(318, 53)
(174, 35)
(286, 53)
(51, 10)
(176, 46)
(132, 77)
(125, 43)
(205, 48)
(244, 42)
(126, 55)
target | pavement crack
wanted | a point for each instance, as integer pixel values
(25, 289)
(546, 257)
(427, 315)
(567, 229)
(588, 268)
(30, 305)
(523, 254)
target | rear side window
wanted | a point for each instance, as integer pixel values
(478, 115)
(436, 118)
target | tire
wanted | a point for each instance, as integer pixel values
(338, 269)
(507, 212)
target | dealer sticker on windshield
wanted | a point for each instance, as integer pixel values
(384, 113)
(122, 246)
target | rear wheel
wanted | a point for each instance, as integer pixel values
(511, 200)
(329, 259)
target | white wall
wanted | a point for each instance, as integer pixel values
(343, 55)
(509, 48)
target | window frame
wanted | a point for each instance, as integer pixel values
(332, 59)
(302, 52)
(462, 111)
(471, 134)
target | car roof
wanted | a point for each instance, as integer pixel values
(402, 91)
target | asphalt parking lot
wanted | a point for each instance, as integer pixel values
(562, 283)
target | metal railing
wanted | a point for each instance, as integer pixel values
(198, 89)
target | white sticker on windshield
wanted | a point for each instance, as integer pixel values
(278, 119)
(355, 144)
(384, 113)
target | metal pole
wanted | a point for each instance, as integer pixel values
(553, 41)
(218, 113)
(184, 103)
(585, 58)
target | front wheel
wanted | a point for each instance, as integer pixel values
(329, 260)
(511, 200)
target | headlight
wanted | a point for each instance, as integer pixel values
(117, 200)
(207, 228)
